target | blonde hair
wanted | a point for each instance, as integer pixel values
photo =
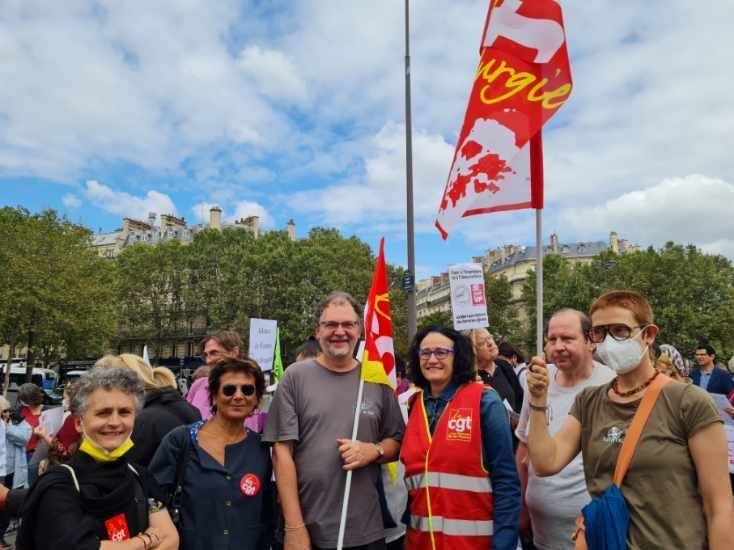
(4, 404)
(665, 365)
(153, 378)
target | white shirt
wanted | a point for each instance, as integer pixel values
(555, 501)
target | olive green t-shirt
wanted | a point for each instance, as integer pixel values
(661, 487)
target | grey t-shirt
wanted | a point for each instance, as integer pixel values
(314, 406)
(555, 501)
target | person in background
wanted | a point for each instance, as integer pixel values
(163, 408)
(665, 365)
(677, 360)
(680, 463)
(216, 346)
(99, 501)
(510, 353)
(225, 469)
(5, 412)
(310, 349)
(708, 376)
(495, 372)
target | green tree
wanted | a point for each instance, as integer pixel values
(438, 318)
(504, 322)
(57, 296)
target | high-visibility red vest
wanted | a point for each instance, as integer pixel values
(451, 501)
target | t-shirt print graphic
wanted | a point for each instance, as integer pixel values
(615, 435)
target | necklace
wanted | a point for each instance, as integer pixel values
(633, 391)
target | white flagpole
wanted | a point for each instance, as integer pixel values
(539, 280)
(348, 486)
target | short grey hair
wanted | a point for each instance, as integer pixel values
(338, 297)
(106, 378)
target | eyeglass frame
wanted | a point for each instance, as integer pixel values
(605, 328)
(344, 325)
(424, 354)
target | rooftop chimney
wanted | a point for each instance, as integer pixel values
(291, 230)
(215, 218)
(554, 244)
(614, 242)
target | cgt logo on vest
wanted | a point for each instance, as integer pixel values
(459, 427)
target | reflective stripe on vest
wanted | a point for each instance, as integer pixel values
(443, 480)
(452, 527)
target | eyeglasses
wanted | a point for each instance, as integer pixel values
(440, 353)
(228, 390)
(619, 331)
(345, 325)
(5, 411)
(213, 353)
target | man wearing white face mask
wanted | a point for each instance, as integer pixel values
(680, 457)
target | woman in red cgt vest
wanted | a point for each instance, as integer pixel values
(463, 487)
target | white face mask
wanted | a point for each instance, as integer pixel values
(621, 357)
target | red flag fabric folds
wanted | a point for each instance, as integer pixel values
(523, 78)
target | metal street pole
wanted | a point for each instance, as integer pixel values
(410, 288)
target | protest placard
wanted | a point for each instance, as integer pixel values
(262, 342)
(468, 301)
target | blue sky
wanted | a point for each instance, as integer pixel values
(294, 109)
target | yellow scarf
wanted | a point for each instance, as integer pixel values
(99, 454)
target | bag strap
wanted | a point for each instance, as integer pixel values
(183, 460)
(73, 476)
(638, 424)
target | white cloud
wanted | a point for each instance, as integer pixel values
(378, 194)
(126, 205)
(694, 208)
(71, 201)
(273, 73)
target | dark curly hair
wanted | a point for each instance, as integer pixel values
(235, 364)
(464, 368)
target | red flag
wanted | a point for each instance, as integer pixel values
(523, 78)
(378, 362)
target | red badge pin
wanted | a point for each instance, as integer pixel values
(117, 529)
(250, 485)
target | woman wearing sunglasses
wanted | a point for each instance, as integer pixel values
(681, 456)
(463, 487)
(219, 472)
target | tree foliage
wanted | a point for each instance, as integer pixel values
(56, 295)
(691, 293)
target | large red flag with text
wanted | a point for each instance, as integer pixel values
(523, 78)
(378, 362)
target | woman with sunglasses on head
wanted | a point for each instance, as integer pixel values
(463, 487)
(681, 455)
(218, 471)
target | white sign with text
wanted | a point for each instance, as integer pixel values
(262, 342)
(468, 301)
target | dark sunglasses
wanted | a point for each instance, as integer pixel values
(228, 390)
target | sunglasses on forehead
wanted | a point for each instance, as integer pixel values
(228, 390)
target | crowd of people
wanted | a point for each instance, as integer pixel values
(475, 448)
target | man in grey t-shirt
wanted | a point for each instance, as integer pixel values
(310, 425)
(554, 502)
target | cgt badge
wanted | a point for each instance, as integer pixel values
(459, 427)
(250, 485)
